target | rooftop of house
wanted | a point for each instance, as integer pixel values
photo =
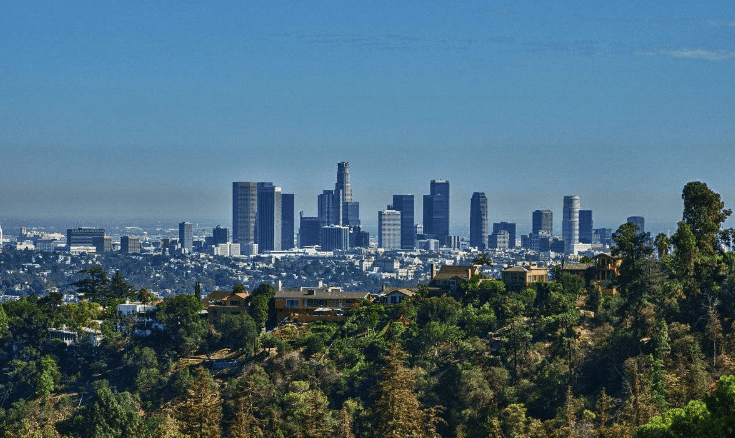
(320, 292)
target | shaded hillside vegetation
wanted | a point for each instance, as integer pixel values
(555, 360)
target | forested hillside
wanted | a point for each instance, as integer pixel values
(557, 360)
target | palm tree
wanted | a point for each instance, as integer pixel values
(482, 259)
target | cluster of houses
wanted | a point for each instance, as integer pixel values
(332, 304)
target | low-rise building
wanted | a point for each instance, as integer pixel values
(308, 304)
(449, 278)
(220, 303)
(521, 276)
(137, 317)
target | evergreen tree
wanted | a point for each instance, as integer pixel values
(397, 410)
(200, 410)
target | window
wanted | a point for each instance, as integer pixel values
(292, 303)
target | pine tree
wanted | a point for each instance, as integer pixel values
(397, 408)
(200, 412)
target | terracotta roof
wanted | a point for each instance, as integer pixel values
(221, 295)
(406, 292)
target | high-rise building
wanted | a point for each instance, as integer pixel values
(343, 188)
(130, 244)
(542, 220)
(309, 228)
(268, 222)
(510, 228)
(244, 210)
(220, 235)
(343, 181)
(330, 208)
(186, 237)
(499, 240)
(287, 220)
(389, 229)
(405, 205)
(585, 226)
(639, 221)
(570, 222)
(479, 221)
(257, 215)
(436, 210)
(83, 236)
(334, 237)
(602, 236)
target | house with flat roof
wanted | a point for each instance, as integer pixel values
(308, 304)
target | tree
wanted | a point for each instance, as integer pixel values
(182, 322)
(95, 287)
(398, 411)
(704, 212)
(119, 289)
(112, 414)
(238, 331)
(200, 410)
(662, 243)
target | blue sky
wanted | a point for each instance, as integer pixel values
(152, 108)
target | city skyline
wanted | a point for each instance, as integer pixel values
(151, 109)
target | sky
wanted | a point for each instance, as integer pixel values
(152, 108)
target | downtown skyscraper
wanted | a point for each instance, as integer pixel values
(257, 215)
(405, 205)
(479, 221)
(542, 221)
(436, 210)
(570, 223)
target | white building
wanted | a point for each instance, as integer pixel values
(389, 229)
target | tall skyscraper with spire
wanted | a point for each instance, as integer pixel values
(570, 222)
(436, 210)
(479, 221)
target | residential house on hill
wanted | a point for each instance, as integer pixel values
(449, 278)
(308, 304)
(519, 277)
(219, 303)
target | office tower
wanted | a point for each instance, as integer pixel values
(405, 205)
(639, 221)
(268, 217)
(186, 237)
(309, 227)
(102, 243)
(1, 237)
(83, 236)
(330, 207)
(334, 237)
(585, 226)
(359, 238)
(287, 221)
(244, 210)
(570, 222)
(542, 220)
(343, 181)
(220, 235)
(436, 210)
(129, 244)
(499, 239)
(510, 228)
(602, 236)
(479, 220)
(343, 189)
(389, 229)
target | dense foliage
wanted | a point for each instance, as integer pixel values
(560, 359)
